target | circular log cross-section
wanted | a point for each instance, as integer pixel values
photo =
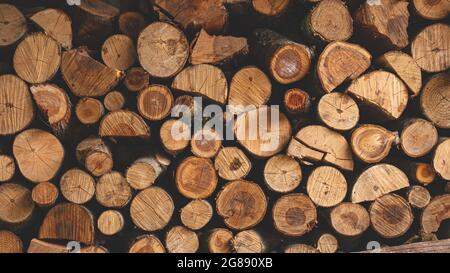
(163, 50)
(16, 204)
(440, 159)
(114, 101)
(231, 163)
(144, 172)
(418, 197)
(248, 241)
(219, 240)
(147, 244)
(37, 58)
(196, 214)
(338, 111)
(206, 143)
(294, 214)
(13, 25)
(196, 178)
(297, 101)
(55, 23)
(326, 186)
(242, 204)
(44, 194)
(372, 143)
(155, 102)
(282, 173)
(7, 168)
(422, 173)
(39, 154)
(89, 111)
(136, 79)
(95, 155)
(431, 48)
(181, 240)
(174, 135)
(151, 209)
(391, 216)
(434, 100)
(110, 222)
(327, 243)
(418, 137)
(119, 52)
(10, 242)
(432, 9)
(112, 190)
(349, 219)
(16, 105)
(77, 186)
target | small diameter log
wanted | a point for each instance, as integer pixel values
(85, 76)
(155, 102)
(300, 248)
(432, 10)
(434, 100)
(95, 155)
(37, 58)
(112, 190)
(294, 214)
(136, 79)
(382, 90)
(196, 214)
(431, 48)
(10, 242)
(7, 168)
(89, 111)
(144, 171)
(372, 143)
(219, 240)
(216, 50)
(326, 186)
(383, 23)
(77, 186)
(340, 62)
(418, 137)
(119, 52)
(338, 111)
(405, 67)
(204, 80)
(56, 24)
(16, 204)
(147, 244)
(440, 160)
(435, 213)
(422, 173)
(16, 105)
(329, 21)
(377, 181)
(285, 60)
(131, 23)
(162, 59)
(391, 216)
(196, 177)
(349, 220)
(181, 240)
(249, 87)
(282, 173)
(68, 221)
(54, 104)
(297, 101)
(317, 143)
(231, 163)
(418, 197)
(206, 143)
(270, 8)
(13, 25)
(248, 241)
(39, 154)
(123, 124)
(327, 243)
(242, 204)
(114, 101)
(110, 222)
(151, 209)
(45, 194)
(210, 15)
(174, 135)
(264, 131)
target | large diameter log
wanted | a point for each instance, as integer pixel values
(163, 50)
(282, 173)
(119, 52)
(242, 204)
(68, 221)
(10, 242)
(434, 100)
(432, 10)
(39, 155)
(418, 137)
(95, 155)
(440, 159)
(326, 186)
(196, 177)
(16, 105)
(112, 190)
(196, 214)
(147, 244)
(181, 240)
(382, 90)
(86, 76)
(77, 186)
(263, 131)
(45, 194)
(431, 48)
(7, 168)
(12, 26)
(377, 181)
(350, 220)
(123, 124)
(294, 214)
(16, 204)
(285, 60)
(55, 24)
(155, 102)
(435, 213)
(372, 143)
(249, 241)
(220, 240)
(338, 111)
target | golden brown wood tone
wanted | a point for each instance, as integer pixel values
(155, 102)
(77, 186)
(418, 197)
(14, 25)
(196, 177)
(297, 101)
(10, 242)
(206, 143)
(338, 111)
(110, 222)
(174, 135)
(89, 111)
(95, 155)
(136, 79)
(269, 7)
(196, 214)
(372, 143)
(441, 156)
(326, 186)
(432, 9)
(422, 173)
(7, 168)
(114, 101)
(119, 52)
(231, 163)
(431, 48)
(441, 246)
(147, 244)
(123, 124)
(16, 204)
(418, 137)
(45, 194)
(56, 24)
(282, 173)
(434, 100)
(327, 243)
(219, 240)
(248, 241)
(300, 248)
(112, 190)
(181, 240)
(144, 171)
(435, 213)
(131, 23)
(349, 219)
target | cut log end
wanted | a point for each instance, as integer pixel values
(219, 241)
(430, 51)
(231, 163)
(10, 242)
(89, 111)
(95, 155)
(131, 24)
(269, 8)
(372, 143)
(119, 52)
(436, 212)
(7, 168)
(174, 135)
(338, 111)
(327, 243)
(196, 177)
(350, 219)
(144, 171)
(45, 194)
(181, 240)
(290, 63)
(61, 31)
(206, 143)
(418, 137)
(77, 186)
(423, 173)
(14, 26)
(300, 248)
(282, 173)
(112, 190)
(16, 204)
(114, 101)
(418, 197)
(136, 79)
(432, 10)
(196, 214)
(326, 186)
(147, 244)
(110, 222)
(297, 101)
(434, 102)
(441, 156)
(155, 102)
(123, 124)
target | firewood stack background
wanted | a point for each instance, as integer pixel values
(87, 152)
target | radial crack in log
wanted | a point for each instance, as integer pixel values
(57, 24)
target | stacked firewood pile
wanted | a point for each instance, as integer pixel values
(357, 156)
